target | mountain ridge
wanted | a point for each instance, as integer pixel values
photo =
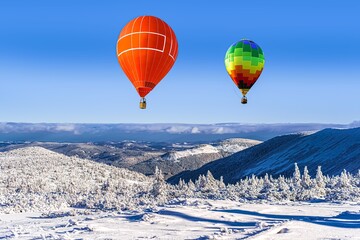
(333, 149)
(174, 162)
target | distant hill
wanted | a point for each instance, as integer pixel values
(173, 162)
(143, 157)
(333, 149)
(121, 154)
(162, 132)
(34, 178)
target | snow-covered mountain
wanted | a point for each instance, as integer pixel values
(174, 162)
(121, 154)
(46, 195)
(333, 149)
(173, 157)
(35, 178)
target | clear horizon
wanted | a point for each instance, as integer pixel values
(58, 62)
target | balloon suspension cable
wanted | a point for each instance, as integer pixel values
(142, 103)
(236, 90)
(244, 100)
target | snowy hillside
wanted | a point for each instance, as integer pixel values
(175, 162)
(121, 154)
(234, 145)
(226, 147)
(172, 158)
(37, 179)
(46, 195)
(177, 155)
(333, 149)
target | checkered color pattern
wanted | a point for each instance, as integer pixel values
(244, 62)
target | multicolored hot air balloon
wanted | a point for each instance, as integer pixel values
(146, 49)
(244, 62)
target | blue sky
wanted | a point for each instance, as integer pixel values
(58, 62)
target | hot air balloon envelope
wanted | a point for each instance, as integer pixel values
(146, 49)
(244, 62)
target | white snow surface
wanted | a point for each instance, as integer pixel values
(46, 195)
(192, 219)
(35, 178)
(234, 145)
(203, 149)
(226, 147)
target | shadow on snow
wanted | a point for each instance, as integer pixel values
(343, 220)
(201, 219)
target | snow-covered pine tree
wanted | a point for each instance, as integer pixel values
(340, 188)
(295, 185)
(253, 188)
(267, 188)
(282, 188)
(191, 188)
(319, 179)
(306, 179)
(211, 185)
(297, 176)
(221, 183)
(159, 185)
(200, 183)
(181, 185)
(319, 186)
(344, 179)
(209, 177)
(305, 192)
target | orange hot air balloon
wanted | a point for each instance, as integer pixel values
(146, 49)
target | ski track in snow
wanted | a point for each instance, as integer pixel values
(196, 219)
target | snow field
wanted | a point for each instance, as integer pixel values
(192, 219)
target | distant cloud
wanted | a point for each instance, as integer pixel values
(105, 132)
(65, 127)
(223, 130)
(195, 130)
(178, 129)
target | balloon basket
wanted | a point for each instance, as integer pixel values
(143, 103)
(244, 100)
